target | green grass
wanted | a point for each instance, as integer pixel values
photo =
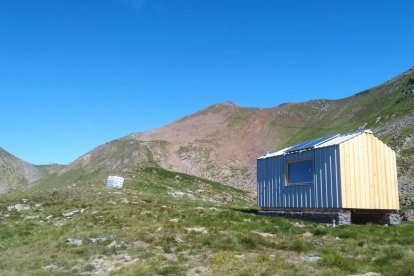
(146, 222)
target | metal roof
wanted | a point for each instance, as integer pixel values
(322, 142)
(311, 143)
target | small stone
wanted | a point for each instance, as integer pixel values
(367, 274)
(337, 238)
(127, 258)
(175, 220)
(18, 207)
(307, 234)
(58, 223)
(112, 245)
(71, 241)
(311, 259)
(72, 213)
(49, 217)
(50, 267)
(201, 230)
(298, 225)
(266, 235)
(179, 240)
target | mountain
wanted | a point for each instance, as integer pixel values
(222, 142)
(16, 173)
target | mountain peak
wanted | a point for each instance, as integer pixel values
(228, 103)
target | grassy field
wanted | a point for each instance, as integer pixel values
(165, 223)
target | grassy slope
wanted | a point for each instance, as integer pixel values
(147, 223)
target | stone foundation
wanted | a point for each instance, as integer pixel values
(331, 216)
(337, 216)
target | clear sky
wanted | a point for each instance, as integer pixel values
(77, 73)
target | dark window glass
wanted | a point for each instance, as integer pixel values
(300, 172)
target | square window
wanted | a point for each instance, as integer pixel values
(299, 172)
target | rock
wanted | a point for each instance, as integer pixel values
(18, 207)
(71, 241)
(49, 217)
(125, 201)
(176, 194)
(59, 223)
(213, 209)
(337, 238)
(266, 235)
(298, 225)
(175, 220)
(311, 259)
(31, 217)
(113, 245)
(247, 220)
(127, 258)
(72, 213)
(307, 234)
(179, 240)
(367, 274)
(201, 230)
(99, 239)
(408, 215)
(50, 267)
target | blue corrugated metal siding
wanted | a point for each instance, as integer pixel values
(323, 193)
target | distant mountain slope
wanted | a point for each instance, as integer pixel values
(16, 173)
(222, 142)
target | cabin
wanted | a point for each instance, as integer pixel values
(339, 178)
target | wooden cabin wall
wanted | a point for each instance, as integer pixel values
(368, 174)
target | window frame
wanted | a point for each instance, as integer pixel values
(287, 162)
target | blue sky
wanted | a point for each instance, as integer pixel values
(77, 73)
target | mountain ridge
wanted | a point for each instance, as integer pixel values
(222, 141)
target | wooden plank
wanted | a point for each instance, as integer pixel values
(360, 193)
(370, 185)
(380, 175)
(394, 191)
(351, 173)
(365, 172)
(395, 175)
(372, 193)
(374, 172)
(388, 176)
(391, 197)
(383, 174)
(355, 166)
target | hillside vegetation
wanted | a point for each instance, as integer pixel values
(167, 223)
